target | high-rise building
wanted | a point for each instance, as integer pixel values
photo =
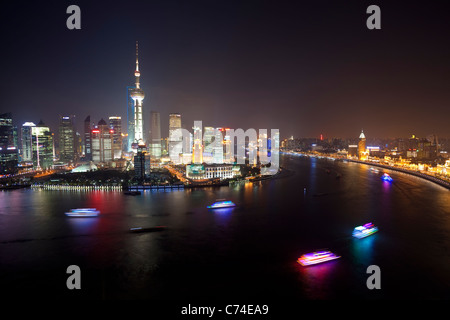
(187, 146)
(197, 152)
(115, 124)
(208, 144)
(43, 150)
(175, 137)
(9, 155)
(165, 146)
(87, 139)
(26, 141)
(138, 96)
(67, 139)
(228, 151)
(218, 147)
(102, 142)
(78, 146)
(141, 162)
(155, 135)
(252, 154)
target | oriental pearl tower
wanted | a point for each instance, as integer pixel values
(138, 95)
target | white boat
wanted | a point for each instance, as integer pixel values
(364, 231)
(83, 212)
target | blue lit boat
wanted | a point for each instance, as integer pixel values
(364, 231)
(222, 204)
(386, 177)
(317, 257)
(83, 212)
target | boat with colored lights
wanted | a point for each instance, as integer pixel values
(316, 257)
(222, 204)
(364, 231)
(386, 177)
(83, 212)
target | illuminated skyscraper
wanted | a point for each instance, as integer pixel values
(174, 122)
(141, 162)
(138, 96)
(27, 144)
(208, 144)
(175, 137)
(115, 124)
(43, 152)
(218, 147)
(87, 139)
(252, 151)
(67, 136)
(9, 155)
(197, 152)
(228, 147)
(102, 142)
(155, 135)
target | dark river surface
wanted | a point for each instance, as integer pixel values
(247, 253)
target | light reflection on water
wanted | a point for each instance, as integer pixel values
(362, 249)
(250, 246)
(83, 225)
(316, 279)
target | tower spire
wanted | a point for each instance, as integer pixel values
(137, 56)
(138, 95)
(137, 74)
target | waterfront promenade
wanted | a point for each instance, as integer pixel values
(441, 182)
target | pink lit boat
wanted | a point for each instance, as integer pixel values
(316, 257)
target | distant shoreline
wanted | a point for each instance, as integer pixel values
(438, 181)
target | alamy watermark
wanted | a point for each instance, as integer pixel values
(74, 280)
(74, 20)
(227, 145)
(374, 280)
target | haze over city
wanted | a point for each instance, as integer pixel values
(304, 68)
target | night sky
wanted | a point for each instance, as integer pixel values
(304, 67)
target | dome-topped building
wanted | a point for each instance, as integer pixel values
(362, 154)
(362, 136)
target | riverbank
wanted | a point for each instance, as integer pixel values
(438, 181)
(74, 187)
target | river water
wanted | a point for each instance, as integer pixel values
(247, 253)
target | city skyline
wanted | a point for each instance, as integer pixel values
(304, 70)
(196, 153)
